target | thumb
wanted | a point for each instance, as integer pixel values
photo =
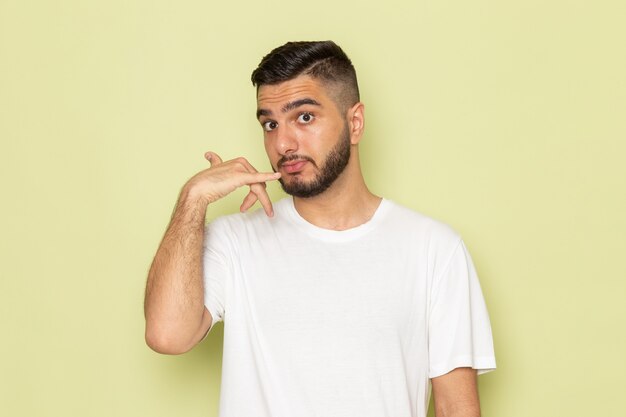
(213, 158)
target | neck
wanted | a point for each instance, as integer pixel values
(347, 203)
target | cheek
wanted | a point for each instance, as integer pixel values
(310, 137)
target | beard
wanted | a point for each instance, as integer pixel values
(335, 163)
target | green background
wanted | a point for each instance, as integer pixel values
(505, 119)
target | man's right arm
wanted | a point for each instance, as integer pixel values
(176, 319)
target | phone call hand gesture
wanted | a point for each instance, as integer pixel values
(222, 178)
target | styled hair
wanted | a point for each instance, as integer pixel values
(322, 60)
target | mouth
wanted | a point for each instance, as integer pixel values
(293, 167)
(293, 164)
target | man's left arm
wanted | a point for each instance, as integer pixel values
(456, 394)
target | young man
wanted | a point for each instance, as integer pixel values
(335, 302)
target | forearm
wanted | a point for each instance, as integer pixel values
(174, 303)
(473, 411)
(456, 394)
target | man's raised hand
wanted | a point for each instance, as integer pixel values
(222, 178)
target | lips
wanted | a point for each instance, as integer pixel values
(292, 167)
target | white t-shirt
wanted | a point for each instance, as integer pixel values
(322, 323)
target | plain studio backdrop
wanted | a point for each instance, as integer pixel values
(505, 119)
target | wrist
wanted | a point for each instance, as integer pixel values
(191, 197)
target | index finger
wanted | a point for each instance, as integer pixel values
(256, 181)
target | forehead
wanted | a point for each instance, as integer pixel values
(298, 88)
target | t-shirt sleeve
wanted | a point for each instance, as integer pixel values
(459, 331)
(215, 270)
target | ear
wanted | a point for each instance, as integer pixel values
(356, 122)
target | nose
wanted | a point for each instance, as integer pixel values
(286, 141)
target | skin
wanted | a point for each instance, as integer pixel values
(302, 124)
(455, 394)
(176, 319)
(286, 132)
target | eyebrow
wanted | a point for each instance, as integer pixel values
(289, 106)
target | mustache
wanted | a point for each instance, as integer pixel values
(294, 157)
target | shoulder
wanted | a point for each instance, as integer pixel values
(420, 226)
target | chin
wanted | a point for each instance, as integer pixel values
(303, 189)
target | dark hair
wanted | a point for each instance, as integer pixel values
(323, 60)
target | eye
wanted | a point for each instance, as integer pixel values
(269, 125)
(305, 118)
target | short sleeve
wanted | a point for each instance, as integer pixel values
(215, 270)
(459, 331)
